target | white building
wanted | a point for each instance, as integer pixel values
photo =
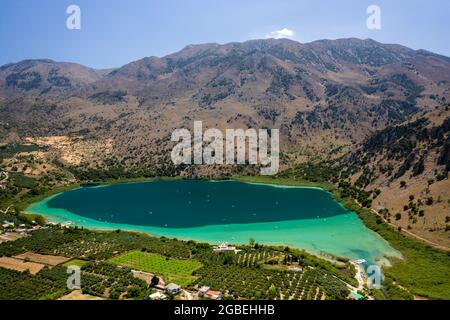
(224, 247)
(157, 296)
(173, 289)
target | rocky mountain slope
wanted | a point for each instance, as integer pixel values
(375, 105)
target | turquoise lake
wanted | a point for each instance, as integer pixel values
(222, 211)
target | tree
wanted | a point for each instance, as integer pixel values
(40, 220)
(228, 259)
(252, 242)
(154, 282)
(272, 292)
(133, 292)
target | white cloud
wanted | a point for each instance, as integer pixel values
(282, 34)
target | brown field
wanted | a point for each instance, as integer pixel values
(10, 236)
(20, 265)
(43, 259)
(77, 295)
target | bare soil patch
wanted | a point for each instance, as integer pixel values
(20, 265)
(44, 259)
(78, 295)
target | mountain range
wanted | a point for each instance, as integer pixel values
(378, 112)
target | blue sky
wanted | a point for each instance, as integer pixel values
(115, 32)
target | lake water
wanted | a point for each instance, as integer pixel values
(222, 211)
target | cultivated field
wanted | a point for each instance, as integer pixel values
(40, 258)
(172, 270)
(20, 265)
(78, 295)
(75, 262)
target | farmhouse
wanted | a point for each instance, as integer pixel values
(7, 225)
(173, 289)
(224, 247)
(161, 284)
(203, 290)
(207, 293)
(213, 295)
(157, 296)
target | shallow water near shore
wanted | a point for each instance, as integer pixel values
(222, 211)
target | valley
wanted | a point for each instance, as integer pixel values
(368, 122)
